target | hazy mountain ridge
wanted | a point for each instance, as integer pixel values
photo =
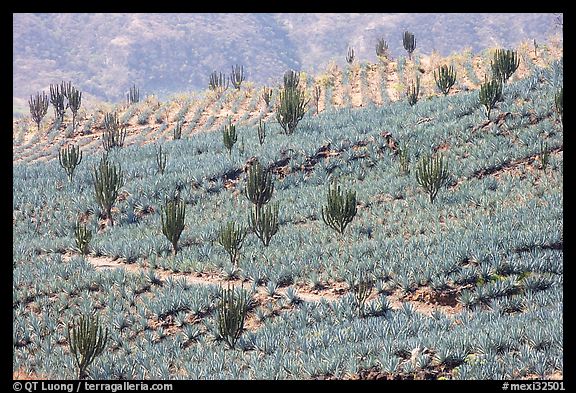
(103, 54)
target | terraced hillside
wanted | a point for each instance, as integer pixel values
(467, 287)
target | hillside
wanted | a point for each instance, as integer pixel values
(104, 54)
(468, 285)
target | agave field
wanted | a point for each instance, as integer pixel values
(466, 285)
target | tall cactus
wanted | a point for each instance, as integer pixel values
(74, 101)
(445, 79)
(218, 82)
(231, 315)
(409, 43)
(87, 340)
(161, 159)
(489, 94)
(83, 236)
(316, 95)
(38, 107)
(413, 91)
(229, 136)
(266, 95)
(291, 79)
(264, 222)
(432, 174)
(133, 96)
(178, 130)
(108, 179)
(559, 104)
(291, 109)
(231, 238)
(382, 48)
(173, 215)
(340, 208)
(261, 132)
(115, 133)
(237, 76)
(350, 55)
(69, 159)
(57, 100)
(504, 64)
(259, 185)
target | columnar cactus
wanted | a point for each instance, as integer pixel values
(261, 132)
(172, 217)
(87, 340)
(432, 174)
(259, 185)
(237, 76)
(108, 179)
(489, 94)
(291, 79)
(178, 130)
(404, 158)
(382, 48)
(504, 64)
(133, 96)
(69, 159)
(218, 82)
(229, 136)
(291, 109)
(361, 287)
(115, 132)
(409, 43)
(57, 100)
(74, 101)
(340, 208)
(232, 311)
(264, 222)
(83, 236)
(413, 91)
(38, 107)
(266, 95)
(231, 238)
(559, 104)
(161, 159)
(350, 55)
(316, 95)
(445, 79)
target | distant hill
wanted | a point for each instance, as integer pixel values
(104, 54)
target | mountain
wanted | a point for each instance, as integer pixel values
(104, 54)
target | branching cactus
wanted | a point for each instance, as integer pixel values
(115, 133)
(83, 236)
(57, 100)
(237, 76)
(350, 55)
(229, 136)
(259, 185)
(218, 82)
(87, 340)
(261, 132)
(504, 64)
(413, 92)
(432, 174)
(232, 311)
(231, 238)
(409, 43)
(361, 287)
(74, 102)
(340, 208)
(38, 107)
(70, 157)
(382, 48)
(161, 159)
(266, 95)
(264, 222)
(559, 104)
(108, 179)
(178, 130)
(173, 215)
(291, 109)
(489, 94)
(291, 79)
(133, 96)
(445, 79)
